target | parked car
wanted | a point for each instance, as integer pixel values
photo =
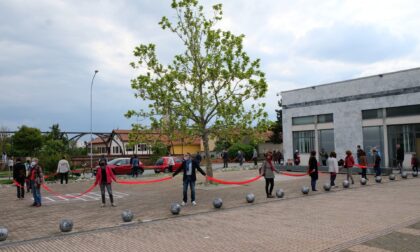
(122, 166)
(162, 165)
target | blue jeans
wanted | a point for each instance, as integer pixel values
(377, 171)
(36, 193)
(313, 183)
(188, 181)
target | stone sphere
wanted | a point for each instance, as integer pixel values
(327, 187)
(305, 189)
(392, 177)
(250, 198)
(3, 233)
(363, 181)
(217, 203)
(175, 208)
(378, 179)
(127, 216)
(415, 174)
(404, 175)
(66, 225)
(346, 184)
(279, 193)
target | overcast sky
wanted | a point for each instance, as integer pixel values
(49, 50)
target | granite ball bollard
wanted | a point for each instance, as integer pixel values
(378, 179)
(3, 233)
(392, 177)
(305, 189)
(127, 216)
(346, 184)
(217, 203)
(250, 198)
(415, 174)
(363, 181)
(404, 175)
(175, 208)
(327, 187)
(66, 225)
(279, 193)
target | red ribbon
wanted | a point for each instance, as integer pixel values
(293, 174)
(17, 184)
(233, 182)
(142, 182)
(68, 196)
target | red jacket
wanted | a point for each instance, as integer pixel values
(109, 175)
(349, 162)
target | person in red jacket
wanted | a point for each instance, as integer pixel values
(414, 163)
(348, 164)
(104, 177)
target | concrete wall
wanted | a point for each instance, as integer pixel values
(347, 115)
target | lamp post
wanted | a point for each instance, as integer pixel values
(91, 139)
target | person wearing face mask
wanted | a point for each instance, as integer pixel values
(267, 171)
(37, 178)
(189, 166)
(104, 177)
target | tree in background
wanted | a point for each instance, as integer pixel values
(206, 86)
(27, 141)
(277, 127)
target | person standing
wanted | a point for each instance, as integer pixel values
(63, 169)
(189, 167)
(198, 158)
(37, 178)
(348, 164)
(267, 171)
(296, 158)
(359, 153)
(324, 156)
(19, 174)
(4, 159)
(10, 164)
(28, 171)
(135, 166)
(171, 163)
(377, 163)
(414, 163)
(332, 164)
(240, 158)
(313, 170)
(104, 177)
(363, 163)
(225, 157)
(400, 158)
(255, 157)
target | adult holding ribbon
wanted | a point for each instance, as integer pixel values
(188, 167)
(19, 174)
(104, 177)
(267, 170)
(37, 178)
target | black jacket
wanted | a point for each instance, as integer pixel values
(400, 154)
(195, 166)
(313, 167)
(19, 171)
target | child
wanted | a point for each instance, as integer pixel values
(414, 163)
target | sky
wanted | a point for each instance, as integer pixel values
(49, 50)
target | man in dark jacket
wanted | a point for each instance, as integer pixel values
(189, 166)
(19, 174)
(400, 157)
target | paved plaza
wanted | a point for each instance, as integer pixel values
(376, 217)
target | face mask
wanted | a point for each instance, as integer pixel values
(33, 164)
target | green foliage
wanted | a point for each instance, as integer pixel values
(277, 127)
(27, 141)
(222, 144)
(246, 149)
(203, 90)
(159, 149)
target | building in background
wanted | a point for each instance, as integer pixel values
(378, 112)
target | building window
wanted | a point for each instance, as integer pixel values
(142, 147)
(116, 149)
(403, 111)
(302, 120)
(326, 140)
(373, 139)
(303, 141)
(407, 136)
(326, 118)
(372, 113)
(129, 148)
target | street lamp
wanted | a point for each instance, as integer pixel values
(91, 139)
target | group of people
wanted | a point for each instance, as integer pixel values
(28, 174)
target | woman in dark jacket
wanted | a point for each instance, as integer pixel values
(267, 170)
(313, 170)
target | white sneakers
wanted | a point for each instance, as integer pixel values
(194, 203)
(183, 203)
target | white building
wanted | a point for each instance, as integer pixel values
(375, 112)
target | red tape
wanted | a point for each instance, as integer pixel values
(142, 182)
(17, 184)
(294, 174)
(68, 196)
(233, 182)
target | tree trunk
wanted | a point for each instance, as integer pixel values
(209, 168)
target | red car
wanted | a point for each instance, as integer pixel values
(122, 166)
(162, 165)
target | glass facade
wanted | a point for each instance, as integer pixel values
(403, 111)
(304, 141)
(325, 118)
(373, 139)
(326, 140)
(407, 136)
(302, 120)
(372, 114)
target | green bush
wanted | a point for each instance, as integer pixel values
(247, 150)
(159, 149)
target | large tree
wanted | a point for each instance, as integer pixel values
(277, 127)
(27, 141)
(204, 88)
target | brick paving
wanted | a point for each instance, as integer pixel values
(323, 221)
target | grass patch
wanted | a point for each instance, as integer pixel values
(6, 182)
